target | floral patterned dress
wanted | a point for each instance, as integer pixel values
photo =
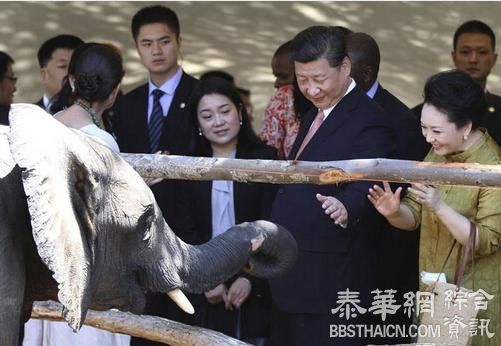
(280, 125)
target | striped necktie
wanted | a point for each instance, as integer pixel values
(313, 128)
(155, 125)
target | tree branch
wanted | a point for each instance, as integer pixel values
(305, 172)
(147, 327)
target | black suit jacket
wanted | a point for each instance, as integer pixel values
(130, 126)
(252, 201)
(399, 250)
(332, 259)
(4, 115)
(491, 119)
(410, 143)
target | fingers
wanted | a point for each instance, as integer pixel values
(375, 193)
(386, 186)
(321, 198)
(333, 208)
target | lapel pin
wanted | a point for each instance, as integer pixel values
(491, 109)
(182, 105)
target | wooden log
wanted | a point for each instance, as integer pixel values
(305, 172)
(147, 327)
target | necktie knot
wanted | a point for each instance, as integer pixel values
(157, 93)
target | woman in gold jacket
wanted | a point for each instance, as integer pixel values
(452, 111)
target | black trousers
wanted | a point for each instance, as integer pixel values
(300, 329)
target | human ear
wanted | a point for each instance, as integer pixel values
(346, 66)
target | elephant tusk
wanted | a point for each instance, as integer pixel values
(180, 299)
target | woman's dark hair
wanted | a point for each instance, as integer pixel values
(96, 69)
(458, 95)
(215, 85)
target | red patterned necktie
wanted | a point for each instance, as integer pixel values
(313, 128)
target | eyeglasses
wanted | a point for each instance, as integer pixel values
(13, 79)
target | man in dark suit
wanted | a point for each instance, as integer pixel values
(330, 286)
(365, 59)
(7, 86)
(399, 251)
(474, 46)
(154, 117)
(156, 33)
(54, 57)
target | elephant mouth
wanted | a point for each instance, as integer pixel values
(103, 305)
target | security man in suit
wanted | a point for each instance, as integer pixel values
(54, 57)
(154, 117)
(474, 52)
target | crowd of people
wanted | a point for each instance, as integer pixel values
(357, 241)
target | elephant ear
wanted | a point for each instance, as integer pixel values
(57, 186)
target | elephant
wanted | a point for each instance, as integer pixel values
(79, 225)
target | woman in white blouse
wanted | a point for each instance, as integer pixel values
(94, 76)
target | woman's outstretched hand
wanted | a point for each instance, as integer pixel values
(427, 195)
(385, 201)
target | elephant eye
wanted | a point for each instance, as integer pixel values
(145, 221)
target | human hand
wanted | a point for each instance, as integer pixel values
(217, 294)
(153, 181)
(427, 195)
(334, 209)
(238, 293)
(385, 201)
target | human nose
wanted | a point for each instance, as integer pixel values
(429, 137)
(156, 48)
(219, 120)
(473, 57)
(312, 89)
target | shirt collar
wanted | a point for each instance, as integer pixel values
(352, 86)
(46, 101)
(372, 91)
(169, 87)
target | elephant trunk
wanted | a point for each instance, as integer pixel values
(261, 248)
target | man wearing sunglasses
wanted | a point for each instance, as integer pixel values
(7, 86)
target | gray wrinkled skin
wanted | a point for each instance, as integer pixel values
(79, 225)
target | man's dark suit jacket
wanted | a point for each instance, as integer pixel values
(410, 142)
(492, 116)
(131, 126)
(399, 250)
(252, 201)
(4, 115)
(131, 129)
(332, 259)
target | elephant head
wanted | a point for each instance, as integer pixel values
(98, 228)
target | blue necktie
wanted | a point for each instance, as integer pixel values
(155, 125)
